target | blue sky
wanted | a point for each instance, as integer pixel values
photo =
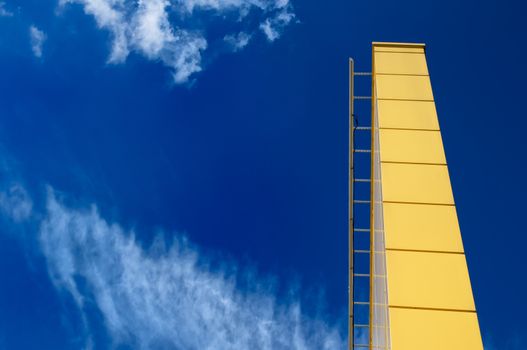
(174, 173)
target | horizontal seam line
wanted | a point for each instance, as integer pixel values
(404, 74)
(385, 128)
(400, 202)
(412, 52)
(424, 251)
(403, 99)
(430, 308)
(417, 163)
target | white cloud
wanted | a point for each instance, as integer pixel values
(153, 35)
(166, 31)
(109, 15)
(37, 39)
(233, 5)
(152, 31)
(269, 30)
(237, 41)
(218, 5)
(15, 203)
(167, 297)
(3, 11)
(273, 27)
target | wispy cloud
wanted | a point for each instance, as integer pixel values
(167, 296)
(174, 33)
(15, 203)
(37, 39)
(237, 41)
(3, 11)
(273, 26)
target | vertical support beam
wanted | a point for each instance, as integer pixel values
(372, 208)
(350, 207)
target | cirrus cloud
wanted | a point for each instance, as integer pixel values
(15, 203)
(165, 31)
(37, 39)
(168, 297)
(4, 12)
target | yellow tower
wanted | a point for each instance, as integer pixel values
(420, 291)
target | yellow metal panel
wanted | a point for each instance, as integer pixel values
(407, 115)
(416, 183)
(422, 227)
(434, 330)
(404, 87)
(413, 146)
(428, 280)
(418, 252)
(400, 49)
(400, 63)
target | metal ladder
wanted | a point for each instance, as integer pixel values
(355, 328)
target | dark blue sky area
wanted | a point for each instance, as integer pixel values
(249, 161)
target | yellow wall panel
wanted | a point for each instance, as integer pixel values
(409, 49)
(407, 115)
(428, 280)
(400, 63)
(413, 146)
(421, 287)
(422, 227)
(404, 87)
(434, 330)
(416, 183)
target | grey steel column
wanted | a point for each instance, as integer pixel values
(350, 208)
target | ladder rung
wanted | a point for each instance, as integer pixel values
(361, 229)
(361, 150)
(361, 275)
(362, 97)
(359, 201)
(362, 180)
(362, 73)
(361, 303)
(362, 128)
(361, 251)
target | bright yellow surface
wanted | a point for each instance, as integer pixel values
(405, 87)
(422, 227)
(399, 49)
(407, 115)
(428, 280)
(413, 146)
(434, 330)
(416, 183)
(425, 274)
(400, 63)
